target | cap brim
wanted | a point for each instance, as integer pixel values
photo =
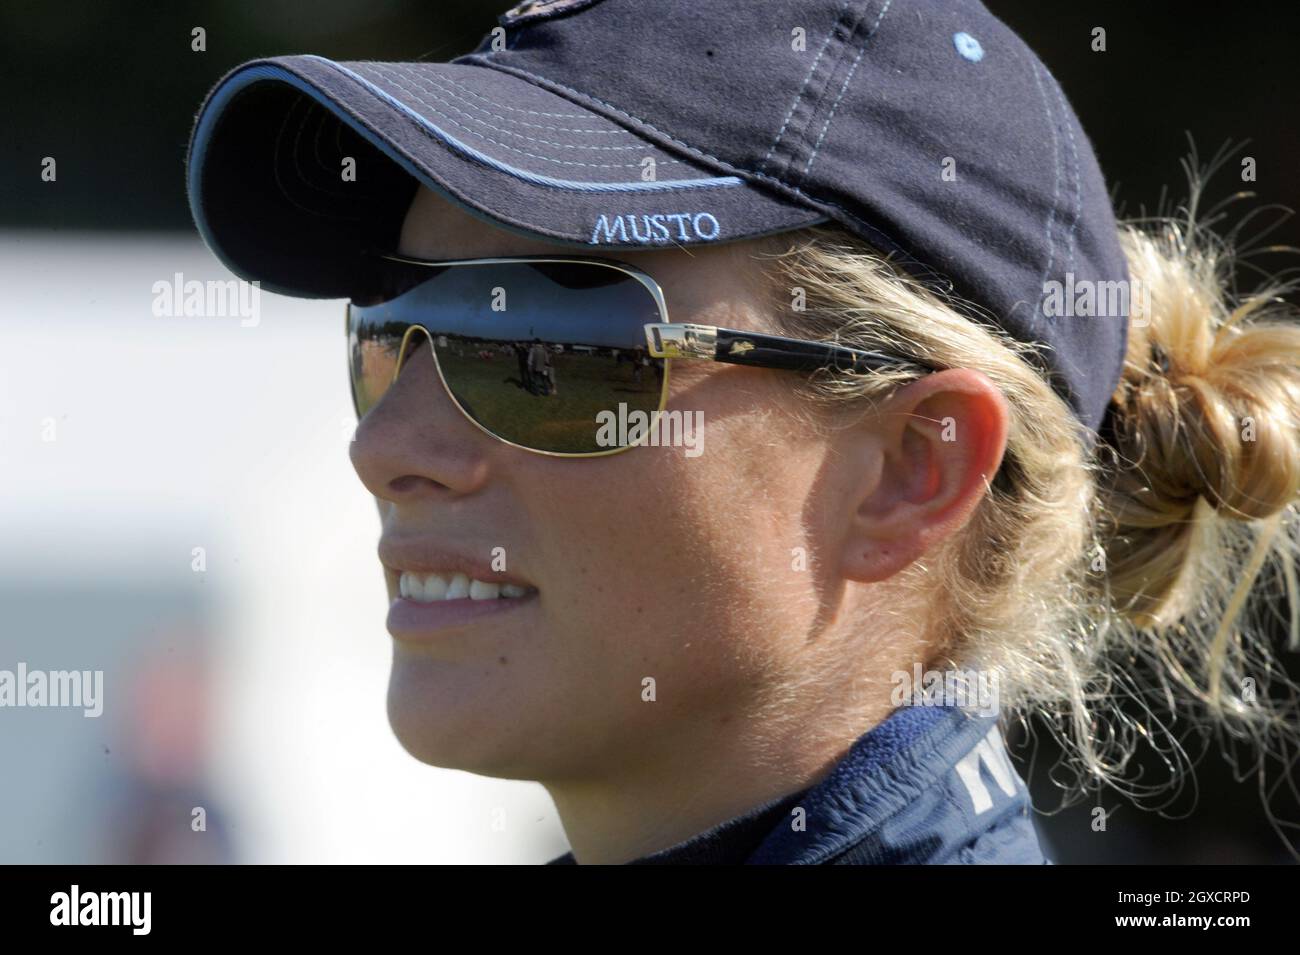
(297, 164)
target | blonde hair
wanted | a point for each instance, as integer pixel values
(1142, 569)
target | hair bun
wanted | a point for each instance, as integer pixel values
(1210, 397)
(1206, 422)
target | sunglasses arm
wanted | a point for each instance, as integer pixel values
(759, 351)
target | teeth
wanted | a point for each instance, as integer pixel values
(435, 588)
(458, 588)
(428, 588)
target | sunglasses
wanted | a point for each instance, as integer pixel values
(540, 352)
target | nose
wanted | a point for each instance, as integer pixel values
(415, 443)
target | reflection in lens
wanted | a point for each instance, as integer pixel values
(547, 396)
(534, 353)
(374, 355)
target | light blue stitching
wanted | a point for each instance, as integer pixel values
(672, 139)
(515, 149)
(443, 83)
(219, 99)
(537, 178)
(1056, 174)
(471, 91)
(516, 109)
(424, 83)
(1078, 191)
(421, 91)
(806, 80)
(817, 101)
(699, 152)
(836, 105)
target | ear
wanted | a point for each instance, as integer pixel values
(936, 444)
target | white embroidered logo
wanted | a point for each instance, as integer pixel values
(659, 227)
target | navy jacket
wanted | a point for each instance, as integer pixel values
(928, 785)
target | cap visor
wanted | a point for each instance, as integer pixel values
(297, 164)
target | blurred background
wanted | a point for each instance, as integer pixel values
(176, 504)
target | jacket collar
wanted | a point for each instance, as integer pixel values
(929, 784)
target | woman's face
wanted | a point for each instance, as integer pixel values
(678, 598)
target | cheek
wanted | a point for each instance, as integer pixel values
(747, 529)
(654, 566)
(681, 566)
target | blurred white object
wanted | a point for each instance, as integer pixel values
(129, 440)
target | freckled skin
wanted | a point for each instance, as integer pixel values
(648, 564)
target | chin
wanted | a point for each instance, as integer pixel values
(464, 716)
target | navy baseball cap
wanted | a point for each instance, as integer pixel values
(926, 127)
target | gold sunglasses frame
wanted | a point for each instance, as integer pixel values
(646, 281)
(670, 341)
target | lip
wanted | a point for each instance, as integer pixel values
(411, 621)
(426, 557)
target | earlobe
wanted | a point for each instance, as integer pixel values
(939, 441)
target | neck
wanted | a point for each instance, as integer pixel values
(681, 785)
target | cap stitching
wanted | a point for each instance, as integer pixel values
(845, 47)
(331, 172)
(437, 83)
(848, 79)
(610, 106)
(1056, 173)
(298, 152)
(430, 130)
(867, 226)
(279, 182)
(423, 91)
(441, 79)
(418, 96)
(1074, 157)
(243, 76)
(618, 132)
(806, 80)
(515, 149)
(517, 109)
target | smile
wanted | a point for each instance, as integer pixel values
(433, 588)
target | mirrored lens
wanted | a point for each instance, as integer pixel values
(550, 356)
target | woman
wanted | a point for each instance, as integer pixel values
(971, 449)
